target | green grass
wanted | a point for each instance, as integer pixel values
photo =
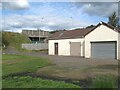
(21, 63)
(105, 81)
(29, 82)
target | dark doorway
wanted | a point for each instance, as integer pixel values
(56, 48)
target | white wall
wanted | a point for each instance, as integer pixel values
(64, 46)
(101, 33)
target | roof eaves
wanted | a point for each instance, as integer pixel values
(65, 38)
(102, 23)
(111, 27)
(92, 29)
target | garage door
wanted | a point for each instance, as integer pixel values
(75, 49)
(103, 50)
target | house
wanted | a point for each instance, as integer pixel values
(38, 39)
(100, 41)
(36, 36)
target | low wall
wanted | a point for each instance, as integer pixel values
(38, 46)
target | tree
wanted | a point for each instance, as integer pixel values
(51, 32)
(5, 42)
(113, 20)
(91, 26)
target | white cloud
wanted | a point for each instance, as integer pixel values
(50, 0)
(94, 1)
(52, 19)
(102, 9)
(0, 6)
(17, 22)
(15, 4)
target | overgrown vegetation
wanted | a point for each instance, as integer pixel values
(13, 39)
(105, 81)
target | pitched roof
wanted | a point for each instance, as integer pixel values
(113, 28)
(79, 33)
(71, 33)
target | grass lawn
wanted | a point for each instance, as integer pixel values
(29, 82)
(21, 63)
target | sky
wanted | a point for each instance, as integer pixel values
(49, 16)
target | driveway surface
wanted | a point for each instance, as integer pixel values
(72, 67)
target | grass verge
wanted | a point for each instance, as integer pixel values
(21, 63)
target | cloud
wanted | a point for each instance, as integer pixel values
(48, 17)
(0, 6)
(49, 23)
(102, 9)
(42, 16)
(15, 4)
(94, 1)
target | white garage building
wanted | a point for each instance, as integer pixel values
(101, 41)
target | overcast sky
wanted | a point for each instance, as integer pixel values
(24, 14)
